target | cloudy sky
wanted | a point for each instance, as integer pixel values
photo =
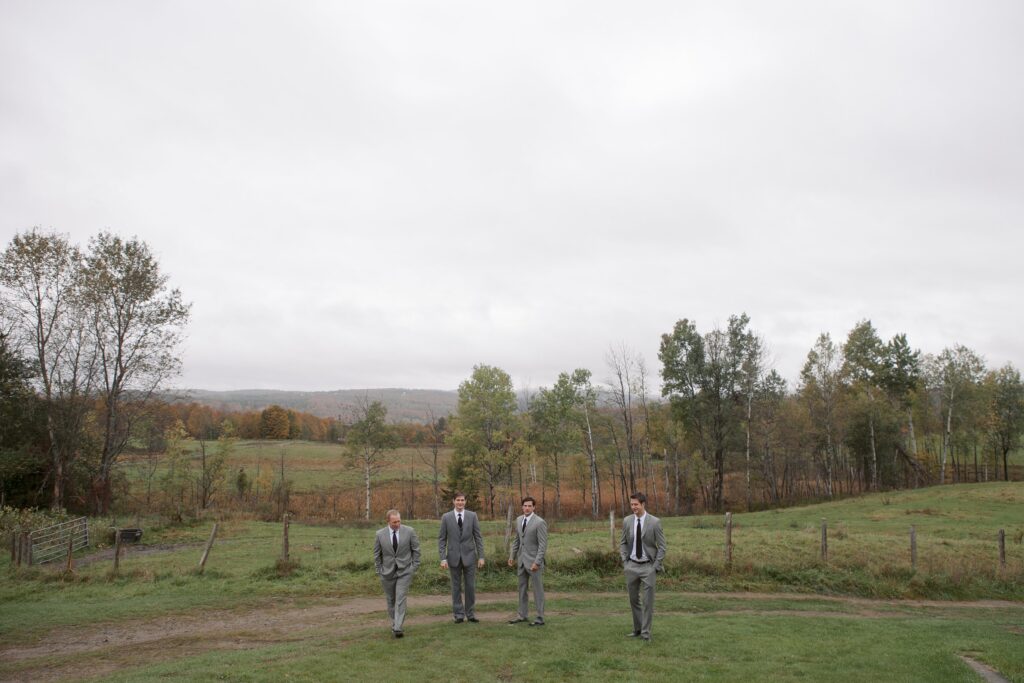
(376, 194)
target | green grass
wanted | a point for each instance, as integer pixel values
(774, 552)
(584, 641)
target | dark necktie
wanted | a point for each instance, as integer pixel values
(639, 543)
(524, 524)
(394, 541)
(460, 525)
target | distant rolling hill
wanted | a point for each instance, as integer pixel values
(404, 405)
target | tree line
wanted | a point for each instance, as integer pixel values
(204, 422)
(89, 336)
(728, 432)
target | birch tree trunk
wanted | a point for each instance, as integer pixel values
(946, 439)
(595, 502)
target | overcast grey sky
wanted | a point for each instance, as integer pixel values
(359, 195)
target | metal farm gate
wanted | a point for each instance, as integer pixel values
(50, 543)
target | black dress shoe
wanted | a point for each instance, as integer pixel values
(459, 620)
(633, 634)
(517, 620)
(536, 623)
(473, 619)
(398, 634)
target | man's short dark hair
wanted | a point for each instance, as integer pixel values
(639, 497)
(531, 499)
(458, 494)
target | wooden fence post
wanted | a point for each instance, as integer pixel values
(70, 567)
(611, 526)
(1002, 550)
(26, 552)
(117, 549)
(284, 546)
(913, 548)
(824, 540)
(728, 539)
(14, 546)
(206, 551)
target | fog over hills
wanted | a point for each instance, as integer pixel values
(404, 405)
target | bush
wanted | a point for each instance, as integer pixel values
(28, 519)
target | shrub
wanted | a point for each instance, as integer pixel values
(28, 519)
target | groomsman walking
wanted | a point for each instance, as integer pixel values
(396, 557)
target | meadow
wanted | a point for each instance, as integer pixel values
(771, 613)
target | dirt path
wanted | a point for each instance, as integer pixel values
(110, 647)
(989, 674)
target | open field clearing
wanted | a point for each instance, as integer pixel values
(325, 484)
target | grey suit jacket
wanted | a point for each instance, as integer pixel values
(653, 539)
(530, 546)
(457, 551)
(406, 559)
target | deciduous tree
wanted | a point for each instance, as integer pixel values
(41, 283)
(368, 441)
(137, 322)
(955, 372)
(555, 429)
(703, 378)
(820, 390)
(863, 366)
(274, 423)
(1007, 411)
(483, 433)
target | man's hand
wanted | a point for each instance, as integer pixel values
(534, 567)
(511, 563)
(480, 563)
(444, 564)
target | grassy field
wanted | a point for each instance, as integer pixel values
(695, 638)
(701, 624)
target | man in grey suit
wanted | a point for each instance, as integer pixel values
(528, 548)
(461, 547)
(396, 557)
(642, 549)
